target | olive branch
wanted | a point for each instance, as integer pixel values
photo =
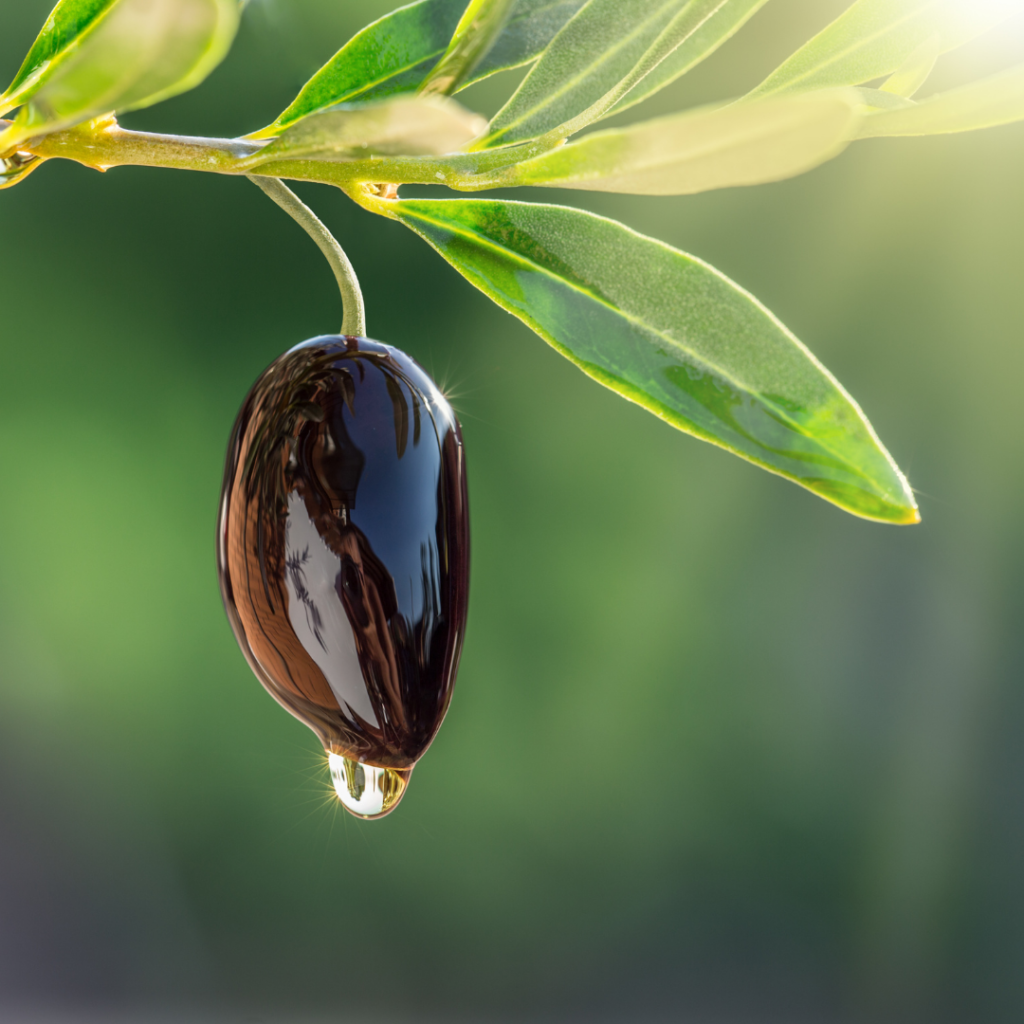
(658, 326)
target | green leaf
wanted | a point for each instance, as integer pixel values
(984, 104)
(718, 29)
(389, 57)
(404, 125)
(68, 20)
(915, 70)
(132, 54)
(741, 144)
(396, 54)
(600, 55)
(474, 35)
(667, 331)
(874, 37)
(532, 26)
(184, 41)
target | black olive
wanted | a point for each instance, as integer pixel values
(343, 550)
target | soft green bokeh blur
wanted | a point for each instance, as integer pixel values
(718, 752)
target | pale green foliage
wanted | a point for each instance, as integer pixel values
(69, 20)
(603, 53)
(532, 25)
(985, 104)
(874, 37)
(721, 26)
(653, 324)
(741, 144)
(130, 54)
(914, 71)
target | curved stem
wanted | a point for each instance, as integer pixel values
(354, 313)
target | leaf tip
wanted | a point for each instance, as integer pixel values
(902, 515)
(908, 512)
(895, 506)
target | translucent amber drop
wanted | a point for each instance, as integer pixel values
(343, 549)
(365, 790)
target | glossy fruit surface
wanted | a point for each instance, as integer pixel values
(343, 549)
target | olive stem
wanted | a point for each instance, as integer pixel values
(109, 145)
(354, 312)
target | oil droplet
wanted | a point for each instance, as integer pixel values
(365, 790)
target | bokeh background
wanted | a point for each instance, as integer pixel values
(719, 752)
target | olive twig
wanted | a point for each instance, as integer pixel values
(354, 313)
(105, 144)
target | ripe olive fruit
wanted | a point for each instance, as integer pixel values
(343, 550)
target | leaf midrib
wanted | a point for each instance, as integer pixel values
(585, 73)
(625, 85)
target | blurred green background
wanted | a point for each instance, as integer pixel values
(719, 752)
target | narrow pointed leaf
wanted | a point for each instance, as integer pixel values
(392, 56)
(474, 35)
(914, 71)
(600, 55)
(131, 55)
(395, 54)
(874, 37)
(67, 21)
(404, 125)
(985, 104)
(669, 332)
(741, 144)
(530, 28)
(718, 29)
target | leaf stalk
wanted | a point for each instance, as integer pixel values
(354, 312)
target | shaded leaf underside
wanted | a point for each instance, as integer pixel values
(130, 55)
(68, 20)
(410, 125)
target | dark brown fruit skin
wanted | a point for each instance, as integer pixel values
(343, 545)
